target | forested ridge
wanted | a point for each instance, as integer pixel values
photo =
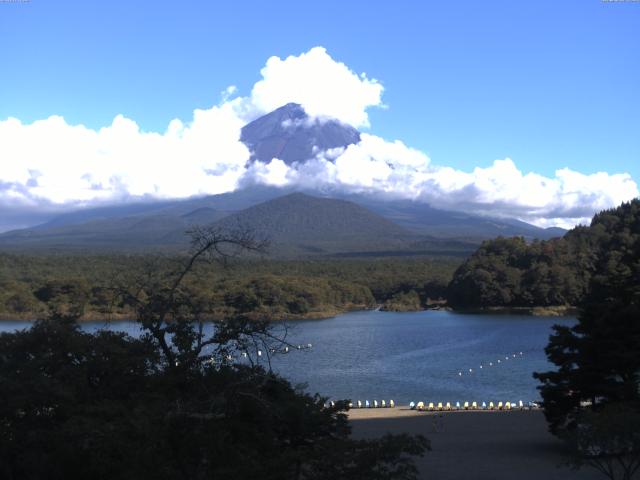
(504, 272)
(509, 272)
(31, 285)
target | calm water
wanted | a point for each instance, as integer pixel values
(411, 356)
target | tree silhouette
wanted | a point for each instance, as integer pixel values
(173, 404)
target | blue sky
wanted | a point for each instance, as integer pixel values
(550, 84)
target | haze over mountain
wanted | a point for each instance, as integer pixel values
(338, 222)
(63, 162)
(295, 224)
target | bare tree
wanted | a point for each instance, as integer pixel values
(175, 317)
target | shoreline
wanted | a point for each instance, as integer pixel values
(403, 411)
(552, 311)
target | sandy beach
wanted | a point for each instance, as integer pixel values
(511, 445)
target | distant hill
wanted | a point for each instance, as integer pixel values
(136, 232)
(289, 134)
(296, 225)
(424, 219)
(508, 272)
(299, 222)
(410, 227)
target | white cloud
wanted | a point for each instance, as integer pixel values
(324, 87)
(50, 160)
(51, 163)
(375, 166)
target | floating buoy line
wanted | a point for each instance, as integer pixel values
(260, 352)
(484, 366)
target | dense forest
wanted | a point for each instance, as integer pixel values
(32, 285)
(513, 273)
(172, 403)
(504, 272)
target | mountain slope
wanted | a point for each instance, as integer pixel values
(426, 220)
(289, 134)
(299, 223)
(286, 133)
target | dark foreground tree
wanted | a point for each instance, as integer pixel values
(598, 359)
(173, 403)
(607, 440)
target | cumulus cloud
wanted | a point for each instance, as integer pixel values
(323, 86)
(52, 161)
(51, 164)
(375, 166)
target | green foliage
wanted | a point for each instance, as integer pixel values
(403, 302)
(171, 405)
(509, 272)
(33, 284)
(104, 406)
(598, 359)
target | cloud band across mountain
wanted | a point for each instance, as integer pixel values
(51, 164)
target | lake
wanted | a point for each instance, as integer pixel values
(411, 356)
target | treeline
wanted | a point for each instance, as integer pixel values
(509, 272)
(32, 285)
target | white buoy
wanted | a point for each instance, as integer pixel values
(480, 366)
(259, 353)
(471, 370)
(459, 374)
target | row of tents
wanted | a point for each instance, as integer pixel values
(440, 407)
(373, 404)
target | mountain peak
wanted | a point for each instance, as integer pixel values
(293, 108)
(290, 134)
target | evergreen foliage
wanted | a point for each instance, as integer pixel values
(170, 404)
(30, 285)
(598, 359)
(510, 272)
